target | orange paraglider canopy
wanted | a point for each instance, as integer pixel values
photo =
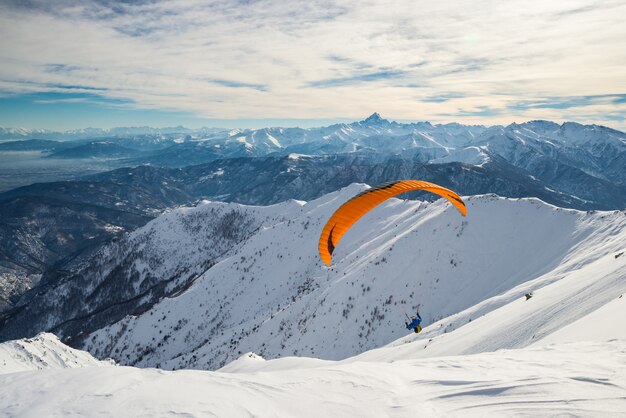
(359, 205)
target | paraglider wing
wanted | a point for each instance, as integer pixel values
(355, 208)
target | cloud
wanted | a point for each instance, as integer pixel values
(356, 79)
(237, 84)
(78, 95)
(441, 98)
(75, 87)
(475, 61)
(569, 102)
(65, 100)
(480, 111)
(58, 68)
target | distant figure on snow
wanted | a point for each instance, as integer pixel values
(415, 323)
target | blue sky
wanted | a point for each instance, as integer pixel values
(103, 63)
(63, 111)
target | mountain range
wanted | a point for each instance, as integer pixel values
(534, 146)
(198, 286)
(568, 165)
(111, 203)
(8, 134)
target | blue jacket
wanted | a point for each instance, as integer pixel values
(414, 323)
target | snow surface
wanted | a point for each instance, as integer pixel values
(602, 324)
(44, 351)
(582, 379)
(469, 155)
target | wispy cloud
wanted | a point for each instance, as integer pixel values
(238, 84)
(472, 61)
(69, 96)
(66, 100)
(569, 102)
(481, 111)
(60, 68)
(356, 79)
(74, 87)
(441, 98)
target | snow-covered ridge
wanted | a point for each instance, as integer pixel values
(273, 296)
(160, 259)
(44, 351)
(573, 379)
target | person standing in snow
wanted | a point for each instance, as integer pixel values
(415, 323)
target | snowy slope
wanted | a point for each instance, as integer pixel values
(130, 274)
(602, 324)
(583, 304)
(583, 379)
(272, 296)
(44, 351)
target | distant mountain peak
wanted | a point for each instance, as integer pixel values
(375, 118)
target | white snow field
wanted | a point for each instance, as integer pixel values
(44, 351)
(578, 379)
(485, 350)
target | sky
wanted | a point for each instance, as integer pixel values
(69, 64)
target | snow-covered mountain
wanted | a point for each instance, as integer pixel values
(42, 235)
(43, 352)
(420, 141)
(272, 296)
(129, 275)
(569, 165)
(572, 156)
(566, 153)
(560, 154)
(582, 379)
(261, 287)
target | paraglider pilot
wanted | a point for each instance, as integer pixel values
(415, 323)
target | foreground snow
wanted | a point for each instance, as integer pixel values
(45, 351)
(579, 379)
